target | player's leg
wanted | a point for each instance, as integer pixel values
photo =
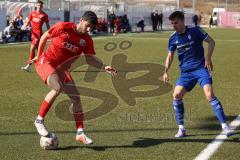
(70, 89)
(54, 83)
(217, 108)
(205, 81)
(33, 50)
(178, 106)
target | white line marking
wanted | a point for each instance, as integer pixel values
(217, 142)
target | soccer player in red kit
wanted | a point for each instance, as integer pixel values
(68, 42)
(36, 18)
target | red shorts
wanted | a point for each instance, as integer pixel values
(35, 40)
(45, 69)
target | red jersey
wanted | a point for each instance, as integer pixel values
(67, 44)
(37, 19)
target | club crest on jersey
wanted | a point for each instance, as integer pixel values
(189, 37)
(82, 42)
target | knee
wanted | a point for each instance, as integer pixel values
(177, 96)
(209, 95)
(55, 93)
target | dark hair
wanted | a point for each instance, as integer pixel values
(91, 17)
(41, 2)
(176, 15)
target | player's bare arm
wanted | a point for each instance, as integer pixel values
(208, 60)
(167, 66)
(47, 25)
(93, 61)
(26, 24)
(42, 45)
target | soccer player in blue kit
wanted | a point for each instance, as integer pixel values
(195, 68)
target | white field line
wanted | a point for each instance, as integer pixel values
(217, 142)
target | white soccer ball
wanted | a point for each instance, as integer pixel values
(49, 142)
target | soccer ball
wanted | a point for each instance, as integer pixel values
(49, 142)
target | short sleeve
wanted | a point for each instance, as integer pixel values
(56, 30)
(172, 45)
(46, 19)
(89, 50)
(201, 33)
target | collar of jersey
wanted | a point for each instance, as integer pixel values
(182, 34)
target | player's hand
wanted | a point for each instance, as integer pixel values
(23, 28)
(208, 64)
(110, 70)
(165, 77)
(31, 61)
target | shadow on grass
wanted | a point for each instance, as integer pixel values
(145, 143)
(90, 131)
(211, 123)
(111, 131)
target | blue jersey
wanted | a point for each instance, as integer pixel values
(189, 46)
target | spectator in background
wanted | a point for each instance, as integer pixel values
(154, 18)
(18, 25)
(141, 24)
(160, 20)
(215, 19)
(211, 21)
(117, 24)
(7, 33)
(8, 20)
(111, 19)
(195, 19)
(19, 21)
(102, 25)
(126, 25)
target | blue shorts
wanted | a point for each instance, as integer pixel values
(189, 79)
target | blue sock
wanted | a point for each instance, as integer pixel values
(179, 111)
(218, 109)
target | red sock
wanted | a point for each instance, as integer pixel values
(44, 108)
(78, 117)
(32, 55)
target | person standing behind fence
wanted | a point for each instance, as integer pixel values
(154, 17)
(36, 18)
(160, 20)
(195, 19)
(211, 21)
(8, 20)
(111, 20)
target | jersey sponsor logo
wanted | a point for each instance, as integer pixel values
(82, 42)
(36, 20)
(184, 47)
(70, 47)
